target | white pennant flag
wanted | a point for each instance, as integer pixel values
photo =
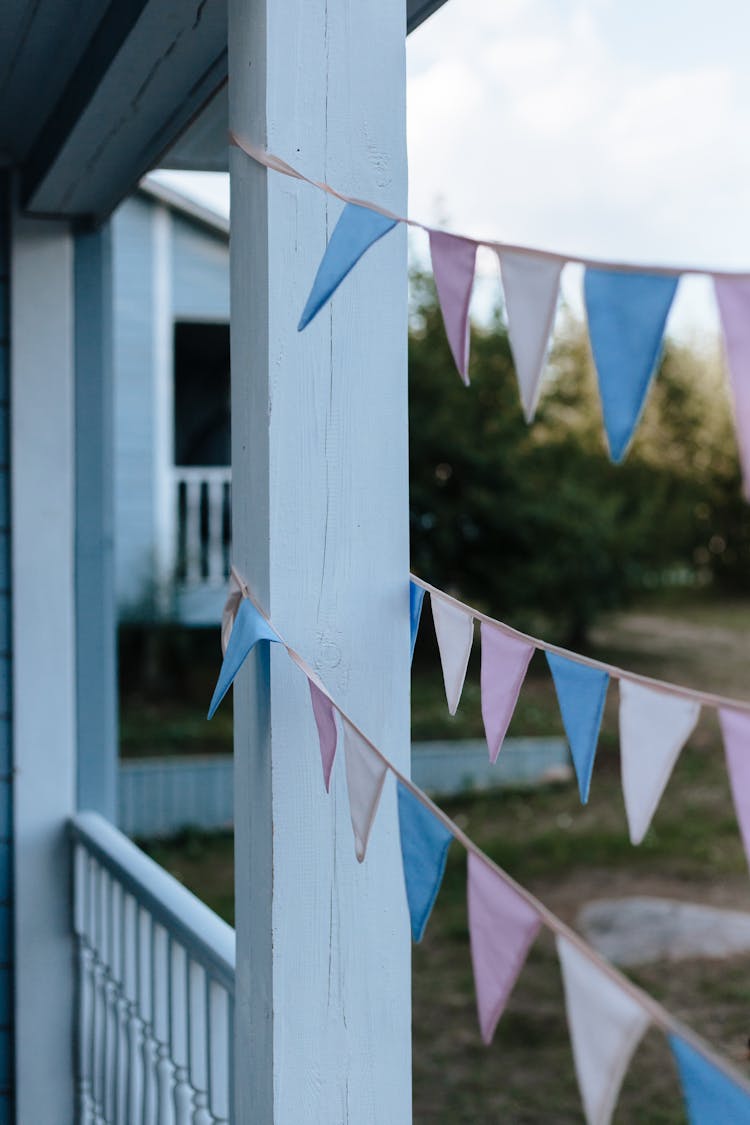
(606, 1025)
(654, 726)
(454, 629)
(531, 283)
(365, 776)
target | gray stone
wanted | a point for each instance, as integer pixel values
(640, 930)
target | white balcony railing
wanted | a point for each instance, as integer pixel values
(202, 503)
(155, 990)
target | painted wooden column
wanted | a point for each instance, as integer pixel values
(320, 531)
(165, 500)
(44, 662)
(96, 618)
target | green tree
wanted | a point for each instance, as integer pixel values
(536, 520)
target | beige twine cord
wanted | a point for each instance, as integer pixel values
(657, 1013)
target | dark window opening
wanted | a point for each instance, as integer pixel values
(201, 394)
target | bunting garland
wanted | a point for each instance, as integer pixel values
(653, 729)
(581, 693)
(453, 262)
(505, 660)
(627, 308)
(606, 1025)
(607, 1013)
(735, 730)
(733, 300)
(531, 285)
(711, 1096)
(627, 313)
(454, 629)
(656, 717)
(424, 849)
(416, 599)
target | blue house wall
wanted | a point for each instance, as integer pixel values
(6, 748)
(198, 290)
(133, 344)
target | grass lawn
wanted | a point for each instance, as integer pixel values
(568, 855)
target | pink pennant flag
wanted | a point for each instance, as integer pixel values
(505, 660)
(735, 729)
(733, 299)
(454, 629)
(326, 723)
(606, 1025)
(531, 283)
(365, 776)
(502, 927)
(453, 262)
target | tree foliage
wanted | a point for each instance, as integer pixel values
(536, 520)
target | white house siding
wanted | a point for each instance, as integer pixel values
(200, 264)
(6, 757)
(197, 290)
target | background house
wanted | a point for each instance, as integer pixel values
(170, 260)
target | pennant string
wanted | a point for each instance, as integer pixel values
(707, 698)
(659, 1015)
(276, 164)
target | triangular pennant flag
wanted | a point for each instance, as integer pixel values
(416, 597)
(365, 776)
(733, 299)
(424, 848)
(325, 721)
(606, 1025)
(502, 927)
(654, 727)
(531, 283)
(735, 729)
(249, 628)
(504, 663)
(711, 1097)
(229, 612)
(581, 692)
(454, 629)
(453, 262)
(626, 313)
(356, 231)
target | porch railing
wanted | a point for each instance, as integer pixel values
(202, 501)
(155, 990)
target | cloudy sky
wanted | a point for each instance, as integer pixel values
(611, 129)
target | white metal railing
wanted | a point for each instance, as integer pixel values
(155, 990)
(202, 502)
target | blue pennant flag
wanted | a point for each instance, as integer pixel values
(627, 313)
(355, 232)
(416, 597)
(424, 849)
(710, 1095)
(581, 692)
(249, 628)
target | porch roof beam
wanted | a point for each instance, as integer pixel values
(148, 70)
(145, 78)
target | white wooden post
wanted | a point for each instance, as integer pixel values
(44, 665)
(165, 500)
(96, 615)
(320, 530)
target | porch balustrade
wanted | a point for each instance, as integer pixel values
(202, 501)
(155, 990)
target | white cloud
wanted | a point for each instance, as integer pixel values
(541, 122)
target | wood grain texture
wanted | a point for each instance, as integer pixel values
(321, 533)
